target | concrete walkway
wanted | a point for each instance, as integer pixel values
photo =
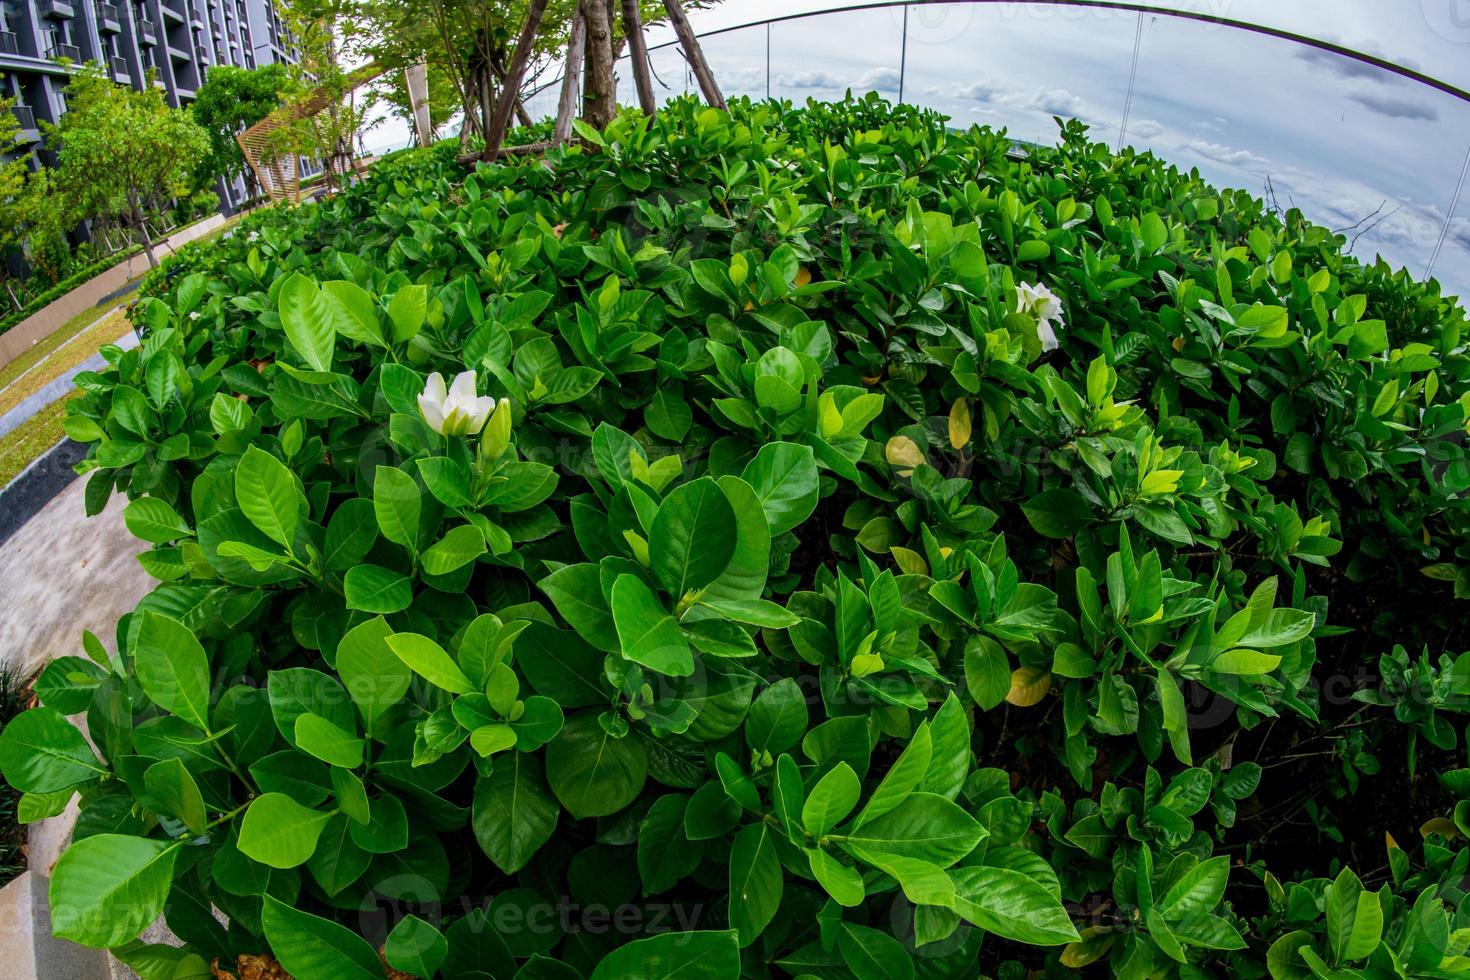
(64, 572)
(21, 337)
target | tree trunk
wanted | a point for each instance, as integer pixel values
(522, 116)
(601, 101)
(513, 76)
(571, 82)
(695, 55)
(638, 55)
(143, 230)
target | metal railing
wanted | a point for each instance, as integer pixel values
(147, 32)
(9, 42)
(1376, 150)
(60, 50)
(24, 116)
(120, 70)
(107, 13)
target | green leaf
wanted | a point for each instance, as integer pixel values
(312, 948)
(841, 881)
(375, 589)
(269, 496)
(415, 947)
(1197, 891)
(170, 784)
(280, 832)
(430, 661)
(778, 718)
(514, 811)
(923, 827)
(321, 739)
(755, 881)
(647, 633)
(592, 773)
(577, 593)
(831, 800)
(172, 668)
(1011, 905)
(668, 415)
(665, 854)
(693, 537)
(307, 321)
(1058, 513)
(873, 955)
(673, 956)
(407, 311)
(108, 888)
(42, 752)
(1278, 628)
(397, 501)
(372, 673)
(351, 311)
(784, 477)
(987, 671)
(153, 520)
(459, 546)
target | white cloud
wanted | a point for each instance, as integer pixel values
(881, 79)
(1221, 153)
(977, 92)
(1146, 129)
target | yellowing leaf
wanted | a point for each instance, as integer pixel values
(960, 424)
(803, 277)
(909, 562)
(1443, 826)
(903, 452)
(1028, 686)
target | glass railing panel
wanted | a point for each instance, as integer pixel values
(1356, 148)
(822, 57)
(1019, 65)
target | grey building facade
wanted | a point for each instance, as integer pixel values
(179, 40)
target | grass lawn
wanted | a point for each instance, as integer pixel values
(76, 341)
(38, 434)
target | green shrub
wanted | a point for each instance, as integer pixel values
(776, 601)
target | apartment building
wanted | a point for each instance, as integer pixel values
(178, 39)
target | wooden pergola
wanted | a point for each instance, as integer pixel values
(280, 178)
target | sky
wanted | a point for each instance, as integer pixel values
(1354, 147)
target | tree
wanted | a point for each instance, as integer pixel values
(230, 101)
(123, 153)
(334, 109)
(472, 42)
(13, 172)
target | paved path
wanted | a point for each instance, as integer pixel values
(45, 321)
(58, 387)
(64, 572)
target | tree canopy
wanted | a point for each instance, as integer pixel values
(230, 101)
(124, 151)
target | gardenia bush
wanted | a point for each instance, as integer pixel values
(797, 542)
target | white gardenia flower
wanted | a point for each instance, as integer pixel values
(1043, 304)
(456, 411)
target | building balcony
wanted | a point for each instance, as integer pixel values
(9, 43)
(147, 32)
(109, 19)
(201, 53)
(171, 12)
(69, 51)
(120, 71)
(56, 8)
(25, 117)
